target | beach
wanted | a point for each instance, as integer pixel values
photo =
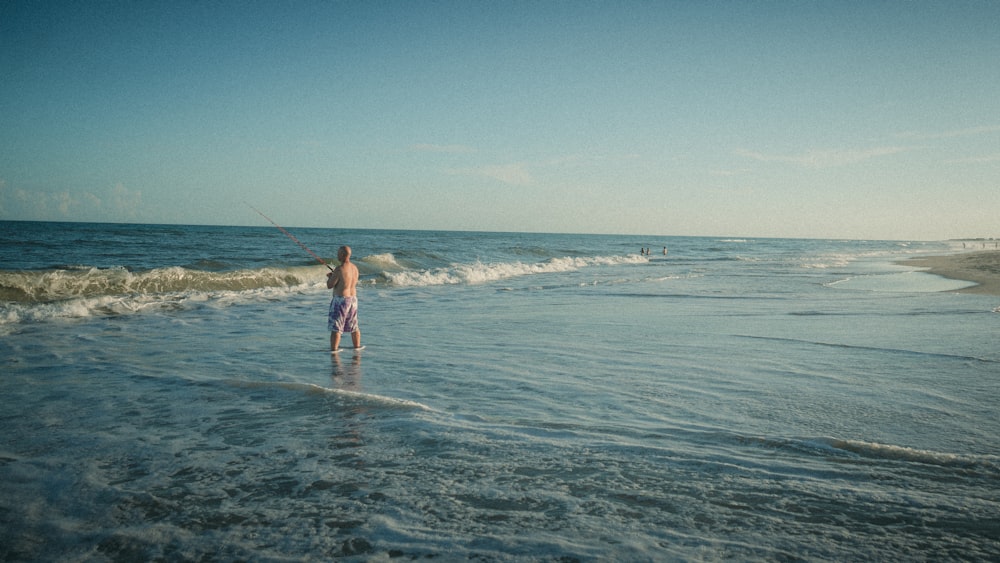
(168, 393)
(980, 267)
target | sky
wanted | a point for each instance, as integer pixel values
(804, 119)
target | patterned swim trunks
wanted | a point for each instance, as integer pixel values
(343, 315)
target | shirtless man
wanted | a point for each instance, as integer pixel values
(343, 316)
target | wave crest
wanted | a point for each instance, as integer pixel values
(377, 263)
(59, 285)
(478, 272)
(902, 453)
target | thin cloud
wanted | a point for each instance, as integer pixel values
(590, 159)
(975, 159)
(36, 204)
(513, 174)
(824, 158)
(981, 130)
(729, 173)
(126, 202)
(119, 203)
(448, 149)
(63, 202)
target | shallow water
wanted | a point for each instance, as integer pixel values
(547, 397)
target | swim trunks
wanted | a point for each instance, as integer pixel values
(343, 315)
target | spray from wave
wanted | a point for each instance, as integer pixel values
(75, 292)
(58, 285)
(36, 296)
(478, 272)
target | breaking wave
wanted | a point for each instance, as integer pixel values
(478, 272)
(81, 291)
(58, 285)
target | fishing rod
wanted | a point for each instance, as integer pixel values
(291, 236)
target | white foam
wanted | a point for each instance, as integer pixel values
(907, 282)
(382, 262)
(313, 388)
(63, 284)
(903, 453)
(12, 314)
(478, 272)
(830, 261)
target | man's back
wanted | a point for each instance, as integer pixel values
(347, 280)
(343, 280)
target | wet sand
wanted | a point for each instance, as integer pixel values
(980, 267)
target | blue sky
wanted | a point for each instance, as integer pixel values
(866, 120)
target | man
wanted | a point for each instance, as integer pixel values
(343, 316)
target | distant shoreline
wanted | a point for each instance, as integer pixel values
(981, 267)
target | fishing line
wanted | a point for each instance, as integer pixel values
(291, 236)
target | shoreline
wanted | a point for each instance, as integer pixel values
(981, 267)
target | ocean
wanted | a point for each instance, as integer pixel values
(168, 394)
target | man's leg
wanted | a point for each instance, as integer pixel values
(334, 341)
(356, 337)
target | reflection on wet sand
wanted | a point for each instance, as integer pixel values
(346, 374)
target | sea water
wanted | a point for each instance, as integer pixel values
(168, 393)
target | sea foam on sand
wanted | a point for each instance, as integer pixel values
(980, 267)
